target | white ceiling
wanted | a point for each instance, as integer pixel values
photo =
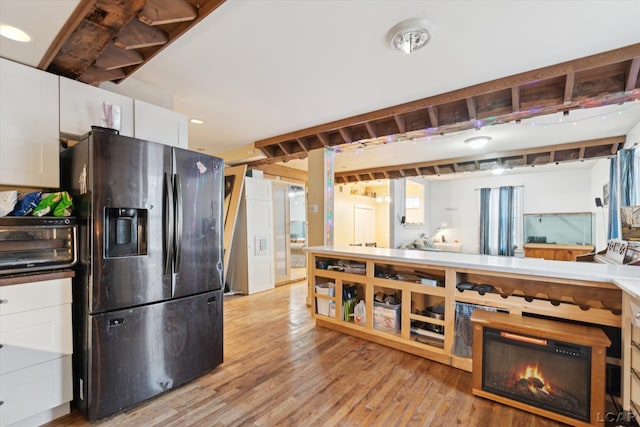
(260, 68)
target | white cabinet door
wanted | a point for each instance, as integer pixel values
(158, 124)
(81, 108)
(29, 138)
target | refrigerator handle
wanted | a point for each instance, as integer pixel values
(168, 223)
(178, 190)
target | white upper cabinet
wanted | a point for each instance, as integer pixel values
(158, 124)
(29, 139)
(81, 106)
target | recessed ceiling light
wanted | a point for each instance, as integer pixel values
(197, 121)
(13, 33)
(410, 35)
(477, 141)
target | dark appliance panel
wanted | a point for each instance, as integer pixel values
(144, 351)
(198, 185)
(129, 179)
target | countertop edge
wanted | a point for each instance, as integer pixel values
(35, 277)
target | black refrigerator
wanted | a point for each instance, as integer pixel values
(147, 307)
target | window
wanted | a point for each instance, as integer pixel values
(414, 202)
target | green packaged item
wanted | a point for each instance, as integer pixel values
(64, 206)
(47, 204)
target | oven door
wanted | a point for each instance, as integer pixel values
(33, 244)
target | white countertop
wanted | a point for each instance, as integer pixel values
(626, 277)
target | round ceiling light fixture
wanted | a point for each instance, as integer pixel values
(14, 33)
(477, 141)
(410, 35)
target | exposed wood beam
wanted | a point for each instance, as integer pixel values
(632, 74)
(324, 139)
(386, 174)
(371, 130)
(283, 148)
(436, 169)
(471, 108)
(433, 115)
(568, 88)
(553, 71)
(581, 153)
(552, 156)
(136, 35)
(301, 142)
(115, 57)
(515, 99)
(345, 133)
(82, 9)
(400, 122)
(285, 172)
(160, 12)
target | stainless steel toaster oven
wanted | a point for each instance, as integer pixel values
(37, 243)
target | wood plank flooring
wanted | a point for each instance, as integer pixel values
(280, 370)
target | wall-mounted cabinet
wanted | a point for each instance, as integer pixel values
(28, 126)
(81, 107)
(159, 124)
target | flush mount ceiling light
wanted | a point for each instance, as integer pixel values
(197, 121)
(410, 35)
(13, 33)
(477, 141)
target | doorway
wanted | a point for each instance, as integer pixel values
(289, 216)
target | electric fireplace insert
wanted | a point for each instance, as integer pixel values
(548, 367)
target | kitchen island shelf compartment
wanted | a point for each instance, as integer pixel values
(537, 289)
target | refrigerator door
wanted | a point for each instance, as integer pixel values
(147, 350)
(198, 184)
(129, 180)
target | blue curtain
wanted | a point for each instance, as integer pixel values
(485, 194)
(627, 178)
(505, 226)
(614, 200)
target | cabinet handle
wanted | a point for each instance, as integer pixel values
(638, 315)
(6, 301)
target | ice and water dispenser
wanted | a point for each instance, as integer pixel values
(126, 232)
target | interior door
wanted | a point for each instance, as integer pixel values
(282, 257)
(364, 225)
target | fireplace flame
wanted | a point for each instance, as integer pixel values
(537, 383)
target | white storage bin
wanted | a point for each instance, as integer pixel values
(322, 304)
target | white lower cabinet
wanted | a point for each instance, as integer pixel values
(35, 354)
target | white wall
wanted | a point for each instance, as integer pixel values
(600, 177)
(546, 189)
(401, 233)
(344, 212)
(633, 137)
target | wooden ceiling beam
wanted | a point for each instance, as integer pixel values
(632, 74)
(400, 122)
(345, 133)
(371, 129)
(115, 57)
(433, 115)
(284, 149)
(515, 99)
(301, 142)
(160, 12)
(568, 87)
(324, 139)
(471, 108)
(137, 35)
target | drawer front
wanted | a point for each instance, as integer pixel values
(29, 391)
(47, 333)
(34, 295)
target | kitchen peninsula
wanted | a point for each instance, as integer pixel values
(432, 289)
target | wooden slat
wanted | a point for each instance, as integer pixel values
(301, 142)
(433, 115)
(345, 133)
(115, 57)
(568, 88)
(324, 139)
(283, 148)
(136, 35)
(632, 75)
(94, 76)
(515, 99)
(159, 12)
(471, 108)
(400, 122)
(371, 129)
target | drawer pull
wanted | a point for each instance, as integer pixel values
(638, 315)
(6, 301)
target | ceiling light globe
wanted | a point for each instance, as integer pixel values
(410, 35)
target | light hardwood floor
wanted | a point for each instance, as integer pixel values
(279, 369)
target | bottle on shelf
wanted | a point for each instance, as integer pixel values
(360, 314)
